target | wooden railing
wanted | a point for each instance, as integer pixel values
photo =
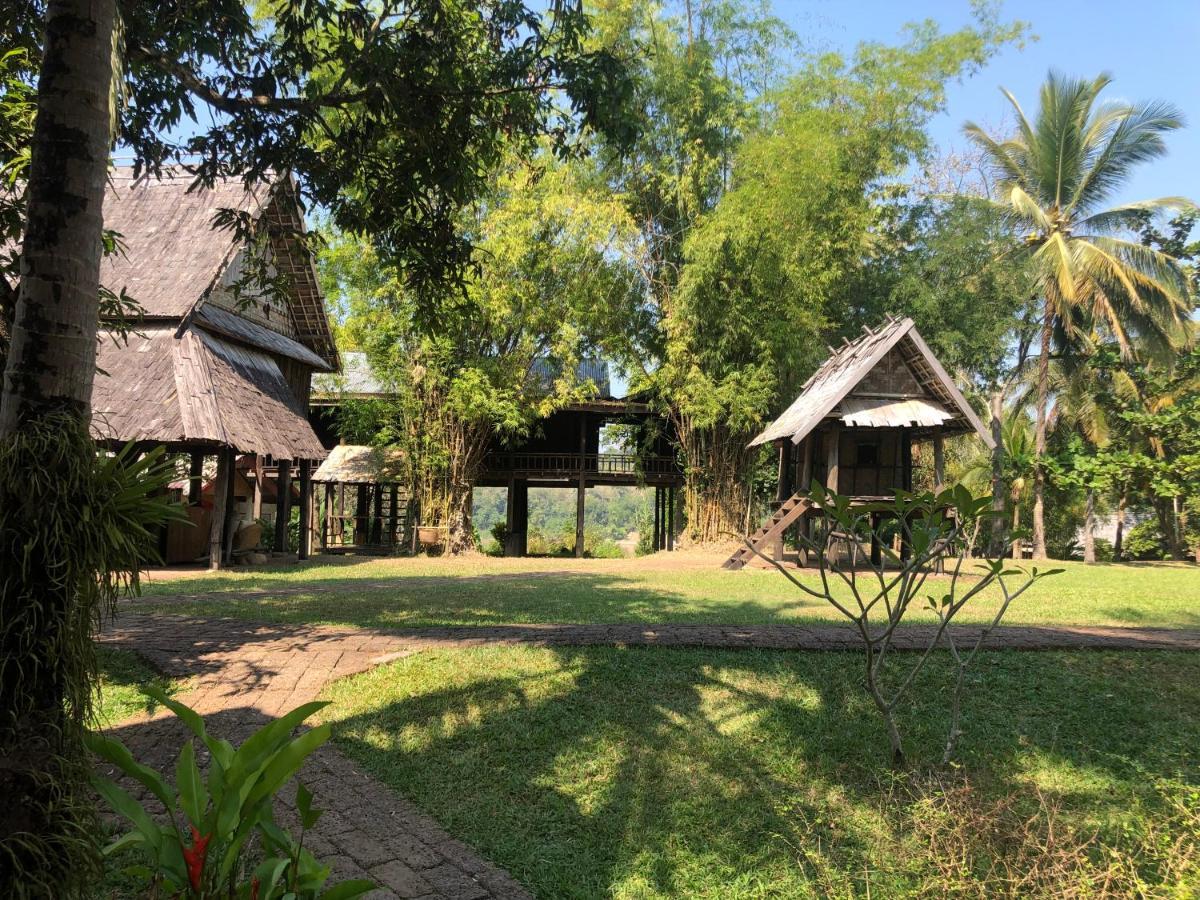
(546, 464)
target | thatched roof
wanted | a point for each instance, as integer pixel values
(357, 464)
(174, 260)
(886, 378)
(188, 386)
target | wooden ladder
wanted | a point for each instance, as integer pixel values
(788, 513)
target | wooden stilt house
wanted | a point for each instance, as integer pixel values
(366, 506)
(854, 426)
(216, 367)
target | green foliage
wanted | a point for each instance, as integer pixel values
(1145, 541)
(75, 526)
(206, 849)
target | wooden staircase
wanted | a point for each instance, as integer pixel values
(789, 513)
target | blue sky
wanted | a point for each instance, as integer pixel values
(1151, 48)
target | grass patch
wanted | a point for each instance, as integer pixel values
(119, 695)
(481, 590)
(609, 772)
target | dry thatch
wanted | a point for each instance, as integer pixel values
(886, 378)
(357, 464)
(197, 388)
(207, 370)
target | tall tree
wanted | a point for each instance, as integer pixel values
(1055, 177)
(391, 116)
(777, 265)
(555, 283)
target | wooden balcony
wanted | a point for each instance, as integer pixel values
(596, 468)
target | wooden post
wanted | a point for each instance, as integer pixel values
(671, 517)
(305, 509)
(581, 490)
(195, 479)
(377, 507)
(283, 498)
(341, 515)
(327, 519)
(783, 487)
(230, 504)
(657, 515)
(832, 451)
(393, 515)
(362, 518)
(510, 519)
(832, 457)
(258, 486)
(939, 459)
(216, 533)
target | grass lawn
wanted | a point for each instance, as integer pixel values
(682, 587)
(121, 675)
(608, 772)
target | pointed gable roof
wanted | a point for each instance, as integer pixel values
(173, 258)
(827, 394)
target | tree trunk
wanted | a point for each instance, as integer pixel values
(1039, 468)
(1164, 508)
(1119, 541)
(716, 493)
(1016, 523)
(45, 631)
(996, 407)
(52, 356)
(1089, 528)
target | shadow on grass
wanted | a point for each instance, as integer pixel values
(498, 598)
(604, 771)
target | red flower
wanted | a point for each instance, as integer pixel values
(194, 857)
(254, 886)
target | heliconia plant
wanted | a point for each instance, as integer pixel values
(205, 847)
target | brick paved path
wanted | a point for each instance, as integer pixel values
(243, 672)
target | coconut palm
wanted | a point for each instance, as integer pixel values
(1016, 437)
(1054, 179)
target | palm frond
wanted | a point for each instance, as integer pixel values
(1129, 216)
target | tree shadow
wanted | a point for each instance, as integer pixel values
(598, 771)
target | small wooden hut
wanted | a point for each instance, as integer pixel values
(366, 506)
(216, 368)
(854, 426)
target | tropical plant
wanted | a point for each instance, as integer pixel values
(75, 527)
(202, 849)
(1016, 435)
(933, 528)
(1054, 177)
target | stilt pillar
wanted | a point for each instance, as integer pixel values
(305, 547)
(671, 517)
(258, 486)
(939, 459)
(216, 534)
(580, 499)
(283, 497)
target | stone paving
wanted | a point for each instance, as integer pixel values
(240, 673)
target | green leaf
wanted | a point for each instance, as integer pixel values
(192, 796)
(346, 890)
(120, 756)
(287, 762)
(123, 804)
(308, 815)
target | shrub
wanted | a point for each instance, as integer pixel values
(207, 853)
(1145, 541)
(935, 528)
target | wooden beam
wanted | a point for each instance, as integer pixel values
(939, 459)
(229, 505)
(305, 547)
(783, 488)
(258, 486)
(283, 496)
(216, 533)
(657, 516)
(327, 519)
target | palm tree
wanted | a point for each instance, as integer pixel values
(1054, 178)
(1016, 437)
